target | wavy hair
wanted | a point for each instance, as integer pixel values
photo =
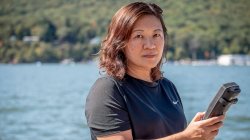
(112, 59)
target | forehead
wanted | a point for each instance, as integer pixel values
(147, 22)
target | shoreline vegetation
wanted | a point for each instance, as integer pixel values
(70, 31)
(243, 60)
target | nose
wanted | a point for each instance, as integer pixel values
(149, 43)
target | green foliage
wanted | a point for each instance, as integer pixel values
(197, 29)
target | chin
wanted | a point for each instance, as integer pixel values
(150, 65)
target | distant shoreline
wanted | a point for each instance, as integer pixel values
(179, 62)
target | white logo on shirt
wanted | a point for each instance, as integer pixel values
(175, 102)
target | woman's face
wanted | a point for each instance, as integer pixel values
(145, 46)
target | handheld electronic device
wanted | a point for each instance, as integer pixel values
(226, 96)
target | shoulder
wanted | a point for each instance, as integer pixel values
(105, 108)
(167, 81)
(104, 82)
(104, 88)
(170, 85)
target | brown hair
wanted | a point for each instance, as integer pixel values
(112, 58)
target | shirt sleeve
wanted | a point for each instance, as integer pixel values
(105, 108)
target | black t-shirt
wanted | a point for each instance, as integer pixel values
(150, 109)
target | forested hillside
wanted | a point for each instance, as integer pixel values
(53, 30)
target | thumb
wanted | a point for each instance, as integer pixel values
(198, 116)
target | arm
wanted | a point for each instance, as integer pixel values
(197, 130)
(125, 135)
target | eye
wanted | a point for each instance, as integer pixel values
(157, 35)
(138, 36)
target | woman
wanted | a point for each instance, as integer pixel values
(133, 100)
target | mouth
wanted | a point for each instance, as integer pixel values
(149, 55)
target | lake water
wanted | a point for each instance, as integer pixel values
(47, 101)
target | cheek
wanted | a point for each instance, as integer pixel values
(134, 47)
(133, 53)
(160, 45)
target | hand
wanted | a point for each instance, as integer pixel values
(199, 129)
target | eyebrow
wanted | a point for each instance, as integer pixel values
(143, 30)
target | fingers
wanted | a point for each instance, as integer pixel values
(207, 129)
(212, 120)
(198, 116)
(214, 133)
(215, 127)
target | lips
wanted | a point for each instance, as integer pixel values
(152, 55)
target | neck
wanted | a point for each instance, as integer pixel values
(140, 73)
